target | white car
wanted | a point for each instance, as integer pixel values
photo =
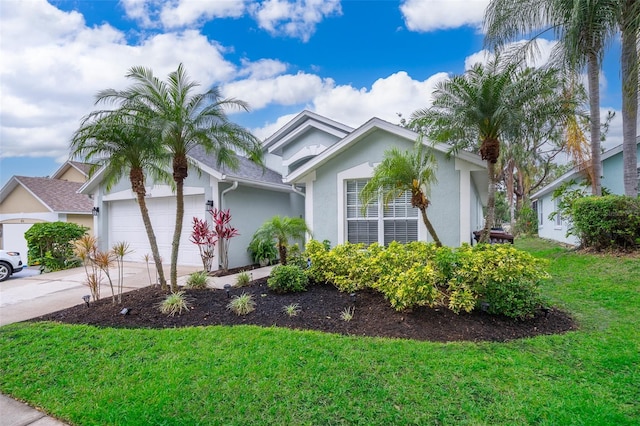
(10, 263)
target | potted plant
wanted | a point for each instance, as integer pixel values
(263, 251)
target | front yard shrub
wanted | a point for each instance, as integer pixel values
(50, 244)
(243, 304)
(504, 280)
(287, 279)
(174, 304)
(611, 221)
(197, 280)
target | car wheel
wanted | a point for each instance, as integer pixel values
(5, 271)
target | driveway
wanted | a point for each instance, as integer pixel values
(29, 294)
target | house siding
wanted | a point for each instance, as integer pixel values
(369, 151)
(21, 201)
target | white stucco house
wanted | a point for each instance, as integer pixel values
(315, 168)
(545, 204)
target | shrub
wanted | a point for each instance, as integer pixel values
(174, 303)
(243, 279)
(287, 279)
(611, 221)
(197, 280)
(263, 251)
(500, 275)
(51, 244)
(347, 313)
(243, 304)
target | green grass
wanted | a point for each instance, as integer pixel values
(249, 375)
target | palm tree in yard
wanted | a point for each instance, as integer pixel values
(486, 106)
(399, 172)
(184, 120)
(114, 140)
(584, 28)
(282, 229)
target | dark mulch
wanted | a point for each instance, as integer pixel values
(321, 308)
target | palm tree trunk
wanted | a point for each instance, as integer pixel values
(491, 203)
(629, 64)
(593, 74)
(430, 228)
(177, 231)
(510, 180)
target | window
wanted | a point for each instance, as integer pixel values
(540, 213)
(398, 221)
(558, 216)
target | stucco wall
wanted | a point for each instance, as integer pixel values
(73, 175)
(250, 208)
(445, 196)
(21, 201)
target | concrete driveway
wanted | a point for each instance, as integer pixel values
(30, 294)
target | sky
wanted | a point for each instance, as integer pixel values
(348, 60)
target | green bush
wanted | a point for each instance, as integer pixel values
(263, 251)
(50, 244)
(242, 305)
(500, 275)
(174, 304)
(287, 279)
(419, 274)
(197, 280)
(611, 221)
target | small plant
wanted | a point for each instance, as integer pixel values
(174, 303)
(243, 279)
(292, 310)
(287, 279)
(347, 313)
(242, 304)
(198, 280)
(263, 251)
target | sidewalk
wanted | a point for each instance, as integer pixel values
(35, 295)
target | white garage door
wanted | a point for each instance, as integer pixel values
(125, 224)
(13, 238)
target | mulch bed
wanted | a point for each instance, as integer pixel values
(321, 308)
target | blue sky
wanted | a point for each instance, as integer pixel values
(349, 60)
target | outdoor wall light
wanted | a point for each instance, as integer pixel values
(209, 204)
(86, 299)
(227, 287)
(95, 211)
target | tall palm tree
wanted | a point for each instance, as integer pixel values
(185, 120)
(584, 28)
(487, 105)
(114, 140)
(282, 229)
(399, 171)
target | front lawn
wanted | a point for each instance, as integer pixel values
(249, 375)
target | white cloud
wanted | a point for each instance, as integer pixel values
(297, 19)
(283, 90)
(53, 65)
(387, 97)
(432, 15)
(188, 12)
(263, 68)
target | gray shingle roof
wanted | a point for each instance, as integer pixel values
(247, 170)
(58, 195)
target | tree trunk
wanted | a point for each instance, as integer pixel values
(510, 181)
(491, 203)
(137, 184)
(282, 250)
(629, 64)
(177, 231)
(429, 226)
(593, 73)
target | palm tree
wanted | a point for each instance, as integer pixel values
(114, 140)
(185, 120)
(281, 229)
(487, 104)
(399, 171)
(584, 29)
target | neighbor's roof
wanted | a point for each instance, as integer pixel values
(81, 167)
(55, 194)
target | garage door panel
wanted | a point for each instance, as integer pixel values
(125, 224)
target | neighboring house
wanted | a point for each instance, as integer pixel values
(544, 203)
(315, 169)
(27, 200)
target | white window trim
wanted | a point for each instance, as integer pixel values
(361, 171)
